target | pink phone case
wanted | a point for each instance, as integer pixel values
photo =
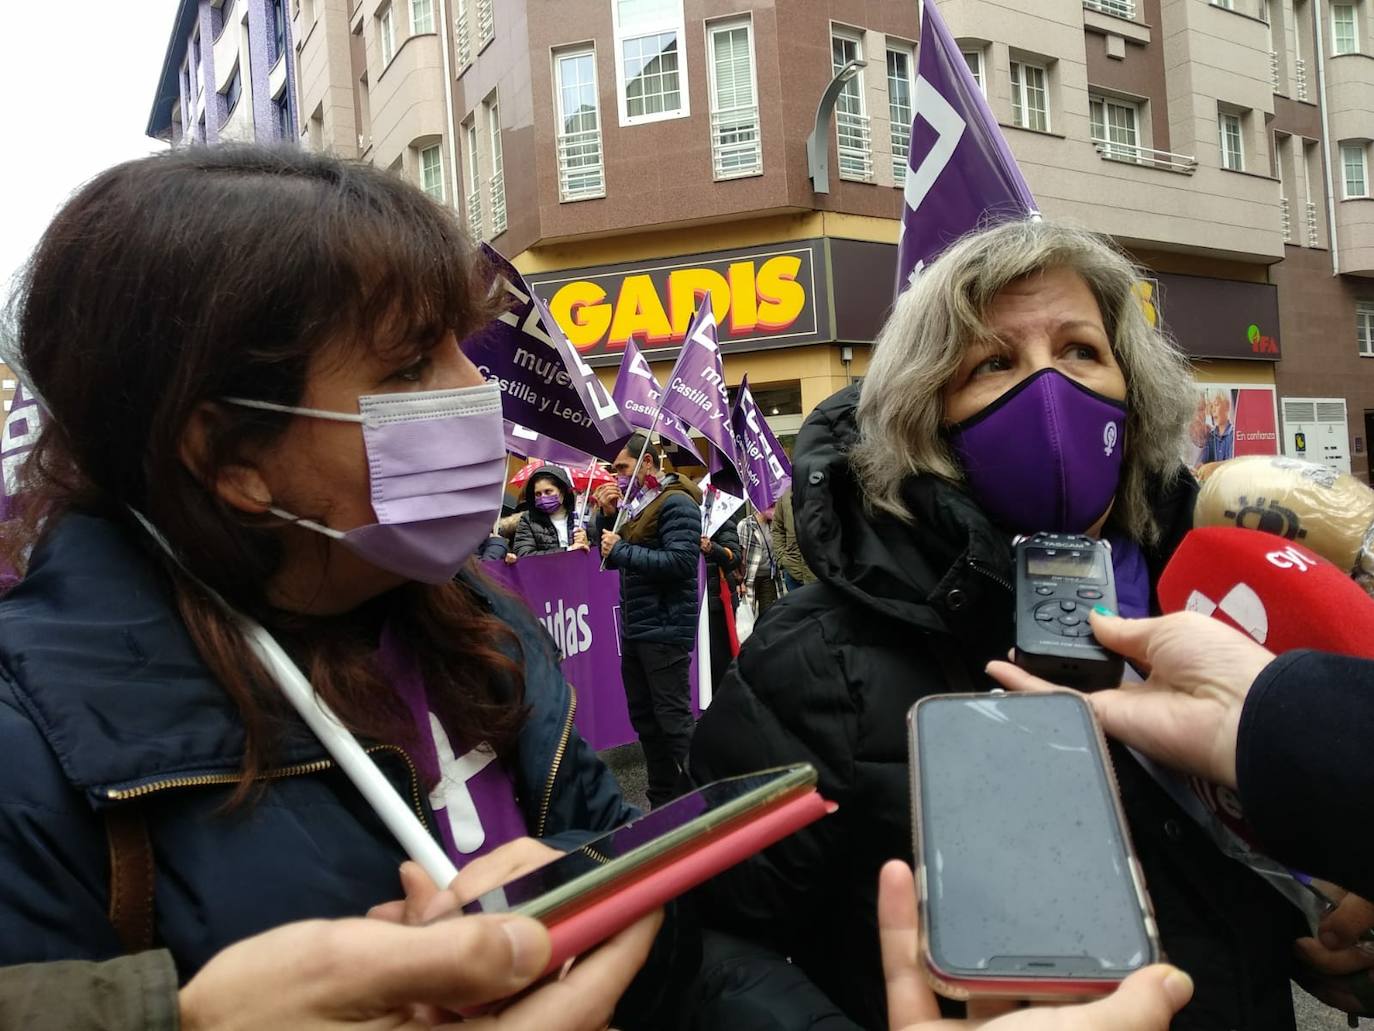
(577, 932)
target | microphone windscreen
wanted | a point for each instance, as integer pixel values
(1327, 512)
(1280, 592)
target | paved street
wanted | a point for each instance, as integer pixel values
(628, 766)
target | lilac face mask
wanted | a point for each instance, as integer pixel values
(437, 469)
(1046, 455)
(548, 503)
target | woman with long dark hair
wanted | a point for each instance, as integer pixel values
(255, 351)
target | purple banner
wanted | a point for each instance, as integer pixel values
(960, 172)
(528, 444)
(696, 394)
(579, 604)
(539, 391)
(16, 440)
(764, 469)
(639, 396)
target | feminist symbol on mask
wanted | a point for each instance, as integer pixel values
(1109, 439)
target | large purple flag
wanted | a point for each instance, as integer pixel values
(540, 390)
(696, 393)
(765, 472)
(960, 171)
(20, 433)
(528, 444)
(639, 396)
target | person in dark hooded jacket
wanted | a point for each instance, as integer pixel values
(1018, 343)
(548, 523)
(330, 483)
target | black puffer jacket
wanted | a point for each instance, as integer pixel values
(900, 612)
(535, 534)
(657, 558)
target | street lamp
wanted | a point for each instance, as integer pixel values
(818, 143)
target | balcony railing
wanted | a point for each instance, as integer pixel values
(486, 24)
(498, 203)
(855, 147)
(1313, 236)
(1274, 69)
(580, 172)
(463, 33)
(735, 146)
(1301, 68)
(1286, 218)
(1120, 8)
(475, 214)
(901, 148)
(1162, 159)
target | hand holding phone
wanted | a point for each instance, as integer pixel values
(1027, 883)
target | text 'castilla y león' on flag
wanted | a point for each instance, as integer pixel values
(697, 396)
(640, 398)
(960, 172)
(553, 403)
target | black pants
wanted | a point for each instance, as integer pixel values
(658, 692)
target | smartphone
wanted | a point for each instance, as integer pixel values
(590, 893)
(1028, 884)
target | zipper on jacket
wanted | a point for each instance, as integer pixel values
(990, 574)
(557, 761)
(299, 769)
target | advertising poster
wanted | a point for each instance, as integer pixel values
(1230, 420)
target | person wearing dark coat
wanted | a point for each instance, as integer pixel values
(325, 488)
(656, 551)
(1018, 342)
(548, 524)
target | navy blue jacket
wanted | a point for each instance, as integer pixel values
(104, 701)
(658, 578)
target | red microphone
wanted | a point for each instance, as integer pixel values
(1280, 593)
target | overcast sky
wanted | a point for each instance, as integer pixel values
(77, 81)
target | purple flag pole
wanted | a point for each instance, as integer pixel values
(960, 170)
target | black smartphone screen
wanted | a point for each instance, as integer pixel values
(622, 841)
(1027, 867)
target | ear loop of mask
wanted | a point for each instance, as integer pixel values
(385, 801)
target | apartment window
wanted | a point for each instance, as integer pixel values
(421, 16)
(1364, 327)
(278, 29)
(486, 23)
(219, 16)
(1231, 142)
(1030, 107)
(386, 25)
(432, 171)
(1115, 128)
(232, 89)
(194, 58)
(901, 93)
(281, 110)
(735, 146)
(462, 32)
(1345, 38)
(580, 172)
(474, 177)
(497, 184)
(851, 121)
(1355, 165)
(974, 59)
(649, 60)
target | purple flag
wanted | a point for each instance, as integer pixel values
(696, 393)
(539, 389)
(16, 440)
(528, 444)
(764, 469)
(639, 397)
(960, 171)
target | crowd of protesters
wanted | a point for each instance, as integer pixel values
(299, 444)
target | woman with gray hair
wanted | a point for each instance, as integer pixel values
(1017, 387)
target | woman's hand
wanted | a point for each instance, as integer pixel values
(511, 558)
(705, 545)
(579, 541)
(1146, 1001)
(1187, 712)
(329, 975)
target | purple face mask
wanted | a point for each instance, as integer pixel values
(437, 469)
(548, 503)
(623, 482)
(1046, 455)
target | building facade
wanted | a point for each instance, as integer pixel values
(228, 74)
(627, 153)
